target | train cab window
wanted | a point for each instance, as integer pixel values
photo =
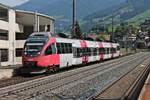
(50, 50)
(53, 49)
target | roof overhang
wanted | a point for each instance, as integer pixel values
(4, 6)
(28, 18)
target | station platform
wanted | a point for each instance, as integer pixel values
(8, 71)
(145, 93)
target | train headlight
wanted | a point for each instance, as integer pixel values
(25, 53)
(39, 53)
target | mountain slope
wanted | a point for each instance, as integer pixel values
(64, 7)
(120, 13)
(136, 20)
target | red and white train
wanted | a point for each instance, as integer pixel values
(42, 52)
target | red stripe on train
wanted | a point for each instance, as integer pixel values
(84, 45)
(111, 46)
(101, 55)
(49, 60)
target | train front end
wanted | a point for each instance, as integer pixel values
(32, 54)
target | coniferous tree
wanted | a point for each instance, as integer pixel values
(78, 33)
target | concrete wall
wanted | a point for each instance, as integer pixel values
(11, 32)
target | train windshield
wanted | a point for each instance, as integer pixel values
(34, 45)
(33, 48)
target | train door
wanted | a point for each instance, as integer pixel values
(66, 56)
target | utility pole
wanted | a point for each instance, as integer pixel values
(112, 27)
(73, 18)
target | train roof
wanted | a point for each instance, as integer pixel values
(48, 35)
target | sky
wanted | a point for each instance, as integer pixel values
(13, 2)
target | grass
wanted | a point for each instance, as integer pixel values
(137, 20)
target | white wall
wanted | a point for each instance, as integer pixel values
(4, 44)
(11, 32)
(4, 25)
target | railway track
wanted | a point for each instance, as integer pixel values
(17, 79)
(80, 83)
(128, 86)
(20, 79)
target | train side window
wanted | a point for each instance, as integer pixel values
(58, 48)
(62, 48)
(108, 51)
(118, 47)
(90, 51)
(113, 50)
(75, 52)
(105, 51)
(86, 51)
(78, 52)
(101, 50)
(70, 48)
(94, 51)
(97, 51)
(65, 48)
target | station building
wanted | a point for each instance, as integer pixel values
(15, 27)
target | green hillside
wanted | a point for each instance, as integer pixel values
(139, 18)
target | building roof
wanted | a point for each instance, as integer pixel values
(33, 13)
(26, 12)
(5, 6)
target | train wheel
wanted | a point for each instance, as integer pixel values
(56, 68)
(49, 70)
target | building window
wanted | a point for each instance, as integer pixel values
(21, 36)
(4, 14)
(19, 52)
(3, 55)
(3, 36)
